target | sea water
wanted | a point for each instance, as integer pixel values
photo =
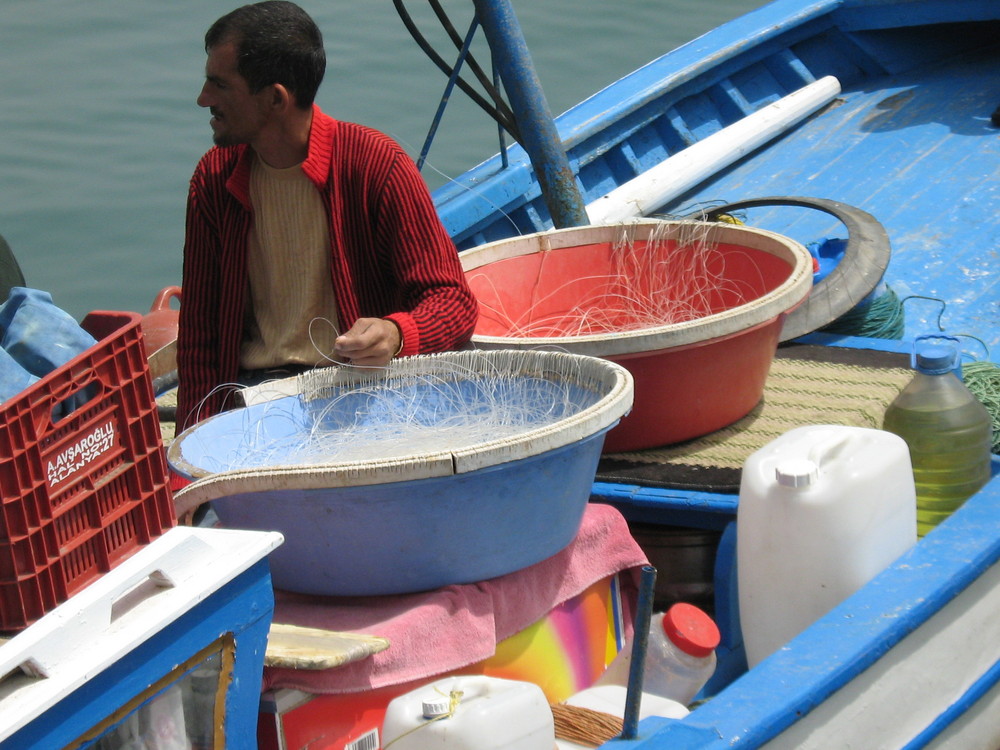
(101, 131)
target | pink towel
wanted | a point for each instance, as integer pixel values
(452, 627)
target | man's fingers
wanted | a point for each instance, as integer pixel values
(359, 337)
(370, 341)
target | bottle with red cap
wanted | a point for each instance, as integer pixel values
(680, 654)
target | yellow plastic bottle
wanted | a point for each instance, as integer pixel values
(946, 428)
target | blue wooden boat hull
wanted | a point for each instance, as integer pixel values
(913, 659)
(918, 89)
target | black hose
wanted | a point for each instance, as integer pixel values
(866, 257)
(470, 61)
(498, 109)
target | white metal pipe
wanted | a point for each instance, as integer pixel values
(682, 171)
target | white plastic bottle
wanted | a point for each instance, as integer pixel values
(822, 510)
(680, 655)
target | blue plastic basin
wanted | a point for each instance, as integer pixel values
(371, 516)
(419, 535)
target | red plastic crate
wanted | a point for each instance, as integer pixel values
(80, 491)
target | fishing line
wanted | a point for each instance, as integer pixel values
(400, 411)
(677, 274)
(479, 196)
(312, 339)
(229, 390)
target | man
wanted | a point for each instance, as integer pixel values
(308, 240)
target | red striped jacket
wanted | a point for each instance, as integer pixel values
(390, 256)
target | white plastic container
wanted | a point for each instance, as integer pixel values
(470, 713)
(680, 655)
(610, 699)
(822, 510)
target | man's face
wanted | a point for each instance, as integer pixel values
(237, 115)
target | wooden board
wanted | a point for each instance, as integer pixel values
(295, 647)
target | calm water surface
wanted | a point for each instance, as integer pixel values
(100, 131)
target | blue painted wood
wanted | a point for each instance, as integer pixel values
(868, 14)
(538, 132)
(931, 161)
(702, 510)
(490, 204)
(912, 110)
(243, 607)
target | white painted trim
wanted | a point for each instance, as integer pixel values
(904, 691)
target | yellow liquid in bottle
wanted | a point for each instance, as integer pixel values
(949, 437)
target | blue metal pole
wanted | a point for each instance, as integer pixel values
(501, 133)
(538, 132)
(447, 93)
(640, 644)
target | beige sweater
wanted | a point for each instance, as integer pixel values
(291, 315)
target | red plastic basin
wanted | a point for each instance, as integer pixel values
(694, 374)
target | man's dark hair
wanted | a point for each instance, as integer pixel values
(276, 42)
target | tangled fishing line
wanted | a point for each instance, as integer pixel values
(419, 406)
(678, 274)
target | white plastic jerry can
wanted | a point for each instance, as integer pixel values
(472, 712)
(822, 510)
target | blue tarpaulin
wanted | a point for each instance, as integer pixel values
(36, 337)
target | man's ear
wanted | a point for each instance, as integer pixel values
(281, 98)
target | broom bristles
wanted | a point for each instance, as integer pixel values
(585, 726)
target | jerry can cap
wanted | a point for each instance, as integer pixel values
(796, 472)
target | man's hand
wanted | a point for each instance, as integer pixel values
(371, 342)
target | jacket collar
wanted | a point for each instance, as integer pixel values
(316, 165)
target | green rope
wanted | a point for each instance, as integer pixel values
(983, 379)
(882, 318)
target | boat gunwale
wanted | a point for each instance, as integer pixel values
(489, 188)
(840, 646)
